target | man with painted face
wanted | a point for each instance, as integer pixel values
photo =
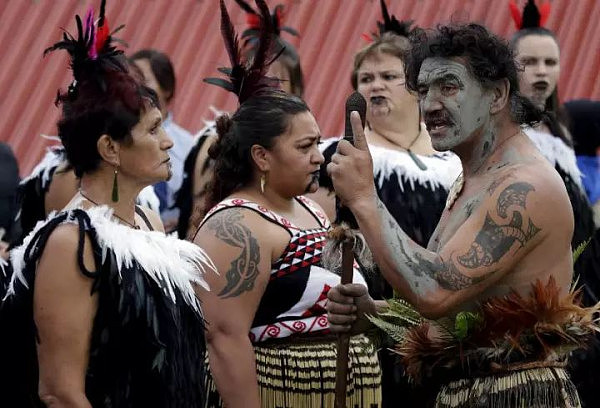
(494, 279)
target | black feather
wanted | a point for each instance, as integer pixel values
(391, 24)
(246, 7)
(291, 31)
(229, 37)
(102, 11)
(531, 16)
(220, 82)
(83, 67)
(246, 78)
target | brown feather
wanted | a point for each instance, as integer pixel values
(543, 326)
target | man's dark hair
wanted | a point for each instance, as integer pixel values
(161, 68)
(487, 57)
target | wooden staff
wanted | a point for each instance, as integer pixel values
(343, 344)
(345, 221)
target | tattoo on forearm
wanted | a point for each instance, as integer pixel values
(494, 240)
(243, 271)
(445, 273)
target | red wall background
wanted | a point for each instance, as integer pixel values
(188, 30)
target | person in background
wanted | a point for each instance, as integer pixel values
(538, 54)
(9, 182)
(159, 74)
(191, 199)
(584, 125)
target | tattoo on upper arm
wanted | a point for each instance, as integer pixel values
(497, 182)
(243, 271)
(491, 243)
(494, 240)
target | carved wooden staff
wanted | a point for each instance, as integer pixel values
(346, 221)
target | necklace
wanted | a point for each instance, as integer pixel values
(413, 156)
(134, 225)
(459, 183)
(455, 191)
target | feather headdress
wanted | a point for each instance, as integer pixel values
(247, 78)
(92, 52)
(253, 19)
(532, 17)
(390, 24)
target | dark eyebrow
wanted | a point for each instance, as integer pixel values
(155, 123)
(449, 77)
(309, 137)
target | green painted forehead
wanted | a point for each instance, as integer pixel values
(437, 68)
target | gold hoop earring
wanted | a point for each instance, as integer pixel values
(263, 182)
(115, 187)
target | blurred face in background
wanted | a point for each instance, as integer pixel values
(539, 57)
(278, 70)
(152, 83)
(380, 80)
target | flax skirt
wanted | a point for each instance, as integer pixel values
(302, 375)
(547, 387)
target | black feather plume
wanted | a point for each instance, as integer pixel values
(531, 15)
(391, 24)
(251, 34)
(246, 7)
(87, 61)
(246, 78)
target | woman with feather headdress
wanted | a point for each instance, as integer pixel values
(191, 198)
(268, 336)
(101, 309)
(538, 52)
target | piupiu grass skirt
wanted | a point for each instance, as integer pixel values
(547, 387)
(301, 374)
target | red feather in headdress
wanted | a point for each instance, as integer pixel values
(516, 14)
(544, 13)
(103, 32)
(92, 52)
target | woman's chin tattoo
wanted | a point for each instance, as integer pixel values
(309, 188)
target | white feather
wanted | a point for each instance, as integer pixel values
(148, 198)
(442, 168)
(210, 126)
(172, 263)
(53, 158)
(3, 265)
(557, 152)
